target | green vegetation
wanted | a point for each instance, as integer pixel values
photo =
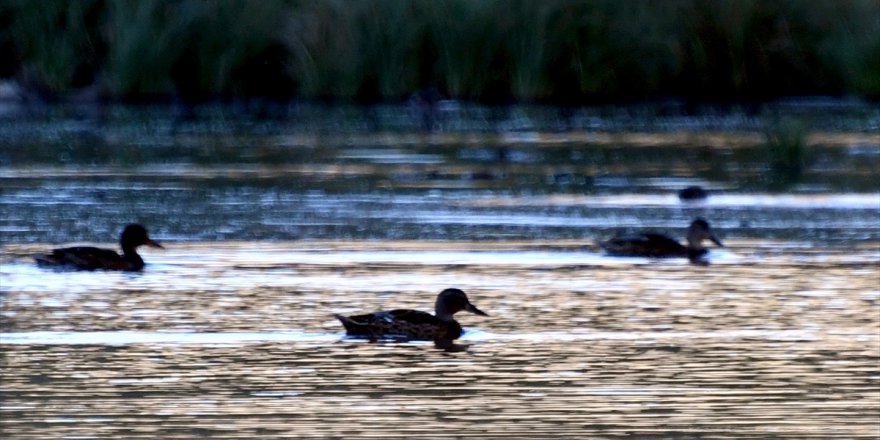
(786, 151)
(559, 51)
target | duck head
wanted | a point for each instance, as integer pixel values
(135, 235)
(700, 231)
(452, 301)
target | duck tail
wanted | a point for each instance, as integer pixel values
(46, 260)
(350, 326)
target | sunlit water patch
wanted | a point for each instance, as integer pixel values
(576, 344)
(239, 338)
(232, 266)
(728, 200)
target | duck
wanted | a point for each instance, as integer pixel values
(649, 244)
(92, 258)
(693, 193)
(414, 325)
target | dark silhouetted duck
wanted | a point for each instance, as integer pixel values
(661, 246)
(92, 258)
(692, 194)
(413, 324)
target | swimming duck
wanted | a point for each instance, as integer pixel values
(693, 193)
(413, 324)
(92, 258)
(660, 246)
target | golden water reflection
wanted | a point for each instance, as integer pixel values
(766, 342)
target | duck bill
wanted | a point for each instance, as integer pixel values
(716, 240)
(473, 309)
(154, 244)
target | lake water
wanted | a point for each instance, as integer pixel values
(270, 228)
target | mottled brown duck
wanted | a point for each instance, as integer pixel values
(405, 324)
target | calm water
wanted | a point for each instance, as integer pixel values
(270, 229)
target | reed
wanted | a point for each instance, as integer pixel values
(560, 51)
(58, 44)
(786, 152)
(853, 44)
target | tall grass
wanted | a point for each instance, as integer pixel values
(194, 48)
(562, 51)
(787, 155)
(855, 46)
(58, 43)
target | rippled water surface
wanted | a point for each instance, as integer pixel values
(229, 333)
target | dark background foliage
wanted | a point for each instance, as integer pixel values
(495, 51)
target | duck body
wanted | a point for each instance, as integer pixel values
(403, 324)
(654, 245)
(644, 245)
(693, 193)
(93, 258)
(90, 258)
(413, 325)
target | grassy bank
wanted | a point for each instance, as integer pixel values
(564, 52)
